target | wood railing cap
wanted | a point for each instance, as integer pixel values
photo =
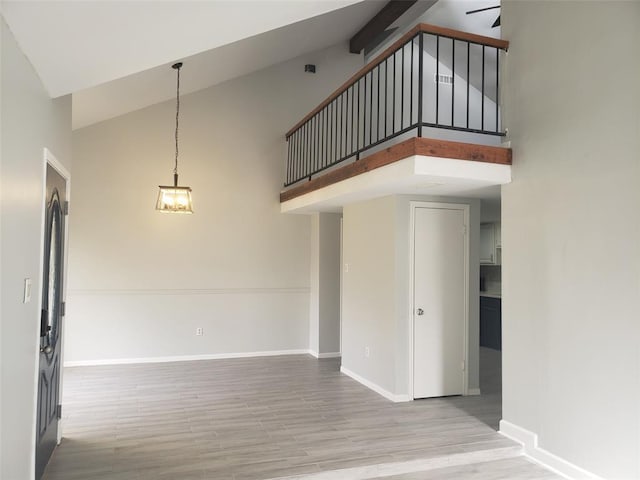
(421, 27)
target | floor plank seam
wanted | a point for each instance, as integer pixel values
(292, 417)
(383, 470)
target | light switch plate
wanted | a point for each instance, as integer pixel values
(27, 291)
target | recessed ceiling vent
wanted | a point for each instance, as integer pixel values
(444, 79)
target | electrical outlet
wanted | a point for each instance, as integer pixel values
(367, 352)
(346, 268)
(199, 332)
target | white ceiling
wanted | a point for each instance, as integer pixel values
(115, 55)
(75, 45)
(220, 64)
(452, 14)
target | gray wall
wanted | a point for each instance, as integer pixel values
(31, 121)
(369, 291)
(314, 285)
(329, 283)
(324, 304)
(490, 210)
(376, 296)
(571, 231)
(143, 281)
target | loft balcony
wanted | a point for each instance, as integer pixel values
(422, 118)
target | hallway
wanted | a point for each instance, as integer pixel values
(260, 418)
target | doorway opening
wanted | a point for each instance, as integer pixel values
(490, 280)
(49, 382)
(440, 306)
(475, 298)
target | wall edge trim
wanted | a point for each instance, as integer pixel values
(375, 387)
(533, 451)
(186, 291)
(183, 358)
(330, 355)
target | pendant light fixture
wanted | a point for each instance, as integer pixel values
(175, 199)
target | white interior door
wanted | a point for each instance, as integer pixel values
(439, 301)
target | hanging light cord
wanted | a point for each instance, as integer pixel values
(175, 169)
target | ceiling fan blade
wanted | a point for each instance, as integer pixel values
(496, 23)
(482, 9)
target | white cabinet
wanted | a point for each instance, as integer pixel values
(490, 244)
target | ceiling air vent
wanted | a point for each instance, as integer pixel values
(445, 79)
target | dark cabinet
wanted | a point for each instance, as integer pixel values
(491, 323)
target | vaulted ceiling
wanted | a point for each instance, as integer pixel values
(115, 56)
(75, 45)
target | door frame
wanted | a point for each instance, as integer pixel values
(49, 159)
(341, 279)
(465, 208)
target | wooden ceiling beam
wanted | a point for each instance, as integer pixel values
(378, 24)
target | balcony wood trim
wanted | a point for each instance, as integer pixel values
(466, 36)
(421, 27)
(413, 146)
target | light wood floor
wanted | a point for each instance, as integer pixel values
(263, 418)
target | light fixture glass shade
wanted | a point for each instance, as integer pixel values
(173, 199)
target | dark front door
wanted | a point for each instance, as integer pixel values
(50, 322)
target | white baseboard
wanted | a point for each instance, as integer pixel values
(529, 441)
(376, 388)
(183, 358)
(325, 355)
(473, 391)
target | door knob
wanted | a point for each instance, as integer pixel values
(420, 311)
(46, 349)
